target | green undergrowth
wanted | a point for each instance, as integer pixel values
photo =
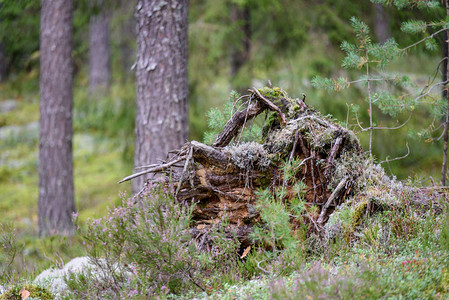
(23, 291)
(101, 143)
(399, 254)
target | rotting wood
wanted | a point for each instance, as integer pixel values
(222, 181)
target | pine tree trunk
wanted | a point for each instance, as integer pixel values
(381, 24)
(2, 58)
(240, 49)
(162, 86)
(446, 94)
(56, 196)
(2, 63)
(127, 40)
(99, 54)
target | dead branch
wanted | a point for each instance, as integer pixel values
(331, 200)
(270, 105)
(159, 168)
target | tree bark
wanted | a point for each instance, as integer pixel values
(127, 39)
(2, 63)
(2, 58)
(99, 54)
(162, 86)
(381, 24)
(56, 195)
(446, 94)
(241, 47)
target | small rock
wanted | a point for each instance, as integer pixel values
(54, 279)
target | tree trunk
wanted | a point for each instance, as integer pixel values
(241, 47)
(381, 24)
(99, 54)
(127, 40)
(56, 196)
(2, 58)
(162, 86)
(446, 95)
(2, 63)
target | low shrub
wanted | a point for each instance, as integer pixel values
(144, 248)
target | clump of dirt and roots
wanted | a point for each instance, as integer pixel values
(309, 157)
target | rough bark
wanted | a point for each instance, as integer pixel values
(241, 47)
(2, 58)
(162, 87)
(2, 63)
(56, 195)
(127, 49)
(446, 94)
(99, 54)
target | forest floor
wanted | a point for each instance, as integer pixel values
(98, 165)
(409, 260)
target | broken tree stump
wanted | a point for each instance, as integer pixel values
(222, 178)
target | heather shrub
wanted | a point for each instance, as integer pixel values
(10, 251)
(144, 248)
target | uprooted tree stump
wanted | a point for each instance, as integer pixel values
(223, 178)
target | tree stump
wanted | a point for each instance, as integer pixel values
(222, 179)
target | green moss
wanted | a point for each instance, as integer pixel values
(357, 214)
(274, 92)
(35, 291)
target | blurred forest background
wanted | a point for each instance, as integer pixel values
(233, 45)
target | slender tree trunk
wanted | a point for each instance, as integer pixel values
(162, 86)
(446, 94)
(56, 196)
(381, 24)
(2, 63)
(2, 58)
(99, 54)
(241, 47)
(127, 40)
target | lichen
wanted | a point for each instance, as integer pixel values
(249, 156)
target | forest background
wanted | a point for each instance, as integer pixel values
(288, 42)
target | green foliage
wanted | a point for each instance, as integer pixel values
(383, 89)
(149, 236)
(35, 292)
(400, 4)
(414, 26)
(217, 119)
(9, 251)
(281, 246)
(20, 34)
(111, 117)
(444, 235)
(398, 251)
